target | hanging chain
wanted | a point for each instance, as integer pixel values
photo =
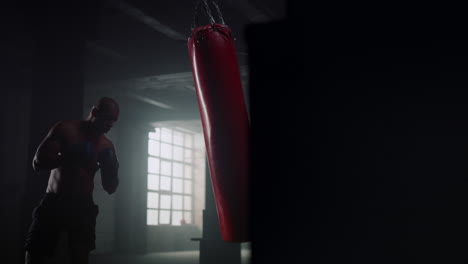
(219, 12)
(208, 12)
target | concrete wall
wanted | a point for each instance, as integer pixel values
(172, 238)
(121, 223)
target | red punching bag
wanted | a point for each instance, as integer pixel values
(225, 125)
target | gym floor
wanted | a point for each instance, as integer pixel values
(180, 257)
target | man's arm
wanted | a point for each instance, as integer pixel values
(47, 154)
(109, 165)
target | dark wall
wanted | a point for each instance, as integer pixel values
(41, 83)
(14, 113)
(15, 96)
(370, 152)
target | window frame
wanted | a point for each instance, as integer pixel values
(184, 162)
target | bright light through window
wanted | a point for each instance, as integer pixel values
(170, 179)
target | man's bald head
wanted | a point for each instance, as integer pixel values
(104, 114)
(107, 105)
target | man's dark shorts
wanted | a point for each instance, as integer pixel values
(56, 214)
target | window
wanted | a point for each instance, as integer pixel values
(170, 177)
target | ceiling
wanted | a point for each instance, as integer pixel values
(149, 37)
(139, 49)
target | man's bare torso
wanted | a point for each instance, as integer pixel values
(81, 152)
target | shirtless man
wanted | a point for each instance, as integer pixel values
(73, 151)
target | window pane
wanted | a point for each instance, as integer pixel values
(166, 135)
(178, 153)
(165, 201)
(188, 141)
(188, 187)
(153, 147)
(151, 217)
(178, 138)
(188, 156)
(188, 172)
(176, 217)
(153, 200)
(153, 182)
(166, 168)
(153, 165)
(156, 134)
(164, 217)
(165, 183)
(188, 217)
(177, 202)
(166, 151)
(187, 203)
(177, 185)
(178, 169)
